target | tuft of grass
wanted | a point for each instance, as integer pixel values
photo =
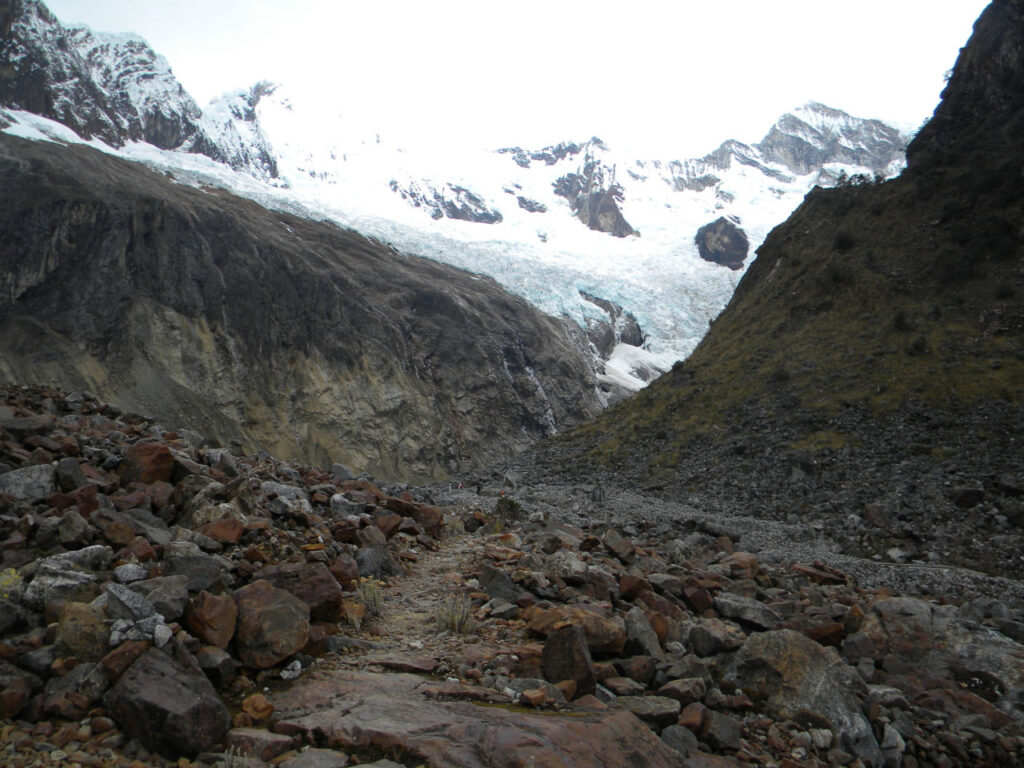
(454, 613)
(370, 595)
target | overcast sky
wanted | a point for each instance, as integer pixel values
(673, 76)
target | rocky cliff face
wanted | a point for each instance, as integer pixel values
(112, 87)
(256, 326)
(866, 376)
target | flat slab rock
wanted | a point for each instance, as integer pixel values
(354, 710)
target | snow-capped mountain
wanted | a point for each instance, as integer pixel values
(113, 87)
(580, 228)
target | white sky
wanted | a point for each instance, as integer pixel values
(664, 76)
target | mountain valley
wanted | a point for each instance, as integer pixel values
(317, 451)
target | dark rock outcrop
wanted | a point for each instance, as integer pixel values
(722, 242)
(593, 194)
(621, 326)
(448, 200)
(212, 312)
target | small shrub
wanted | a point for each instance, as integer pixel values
(370, 595)
(454, 613)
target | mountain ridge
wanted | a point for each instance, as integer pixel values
(866, 374)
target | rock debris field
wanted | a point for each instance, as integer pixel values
(166, 602)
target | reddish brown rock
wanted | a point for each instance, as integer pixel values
(212, 618)
(631, 586)
(830, 634)
(686, 690)
(122, 657)
(345, 571)
(388, 524)
(272, 624)
(694, 716)
(147, 462)
(257, 707)
(380, 713)
(226, 530)
(604, 635)
(312, 583)
(698, 598)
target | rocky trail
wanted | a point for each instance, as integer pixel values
(166, 602)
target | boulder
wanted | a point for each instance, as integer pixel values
(711, 636)
(312, 583)
(567, 657)
(272, 624)
(29, 484)
(169, 708)
(785, 672)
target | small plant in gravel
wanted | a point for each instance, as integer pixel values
(454, 614)
(370, 595)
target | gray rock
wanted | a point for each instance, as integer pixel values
(58, 581)
(130, 573)
(640, 638)
(496, 583)
(321, 758)
(566, 566)
(168, 594)
(712, 636)
(30, 484)
(70, 475)
(293, 498)
(221, 459)
(341, 473)
(680, 739)
(723, 731)
(566, 656)
(124, 603)
(205, 543)
(202, 571)
(747, 610)
(73, 529)
(785, 672)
